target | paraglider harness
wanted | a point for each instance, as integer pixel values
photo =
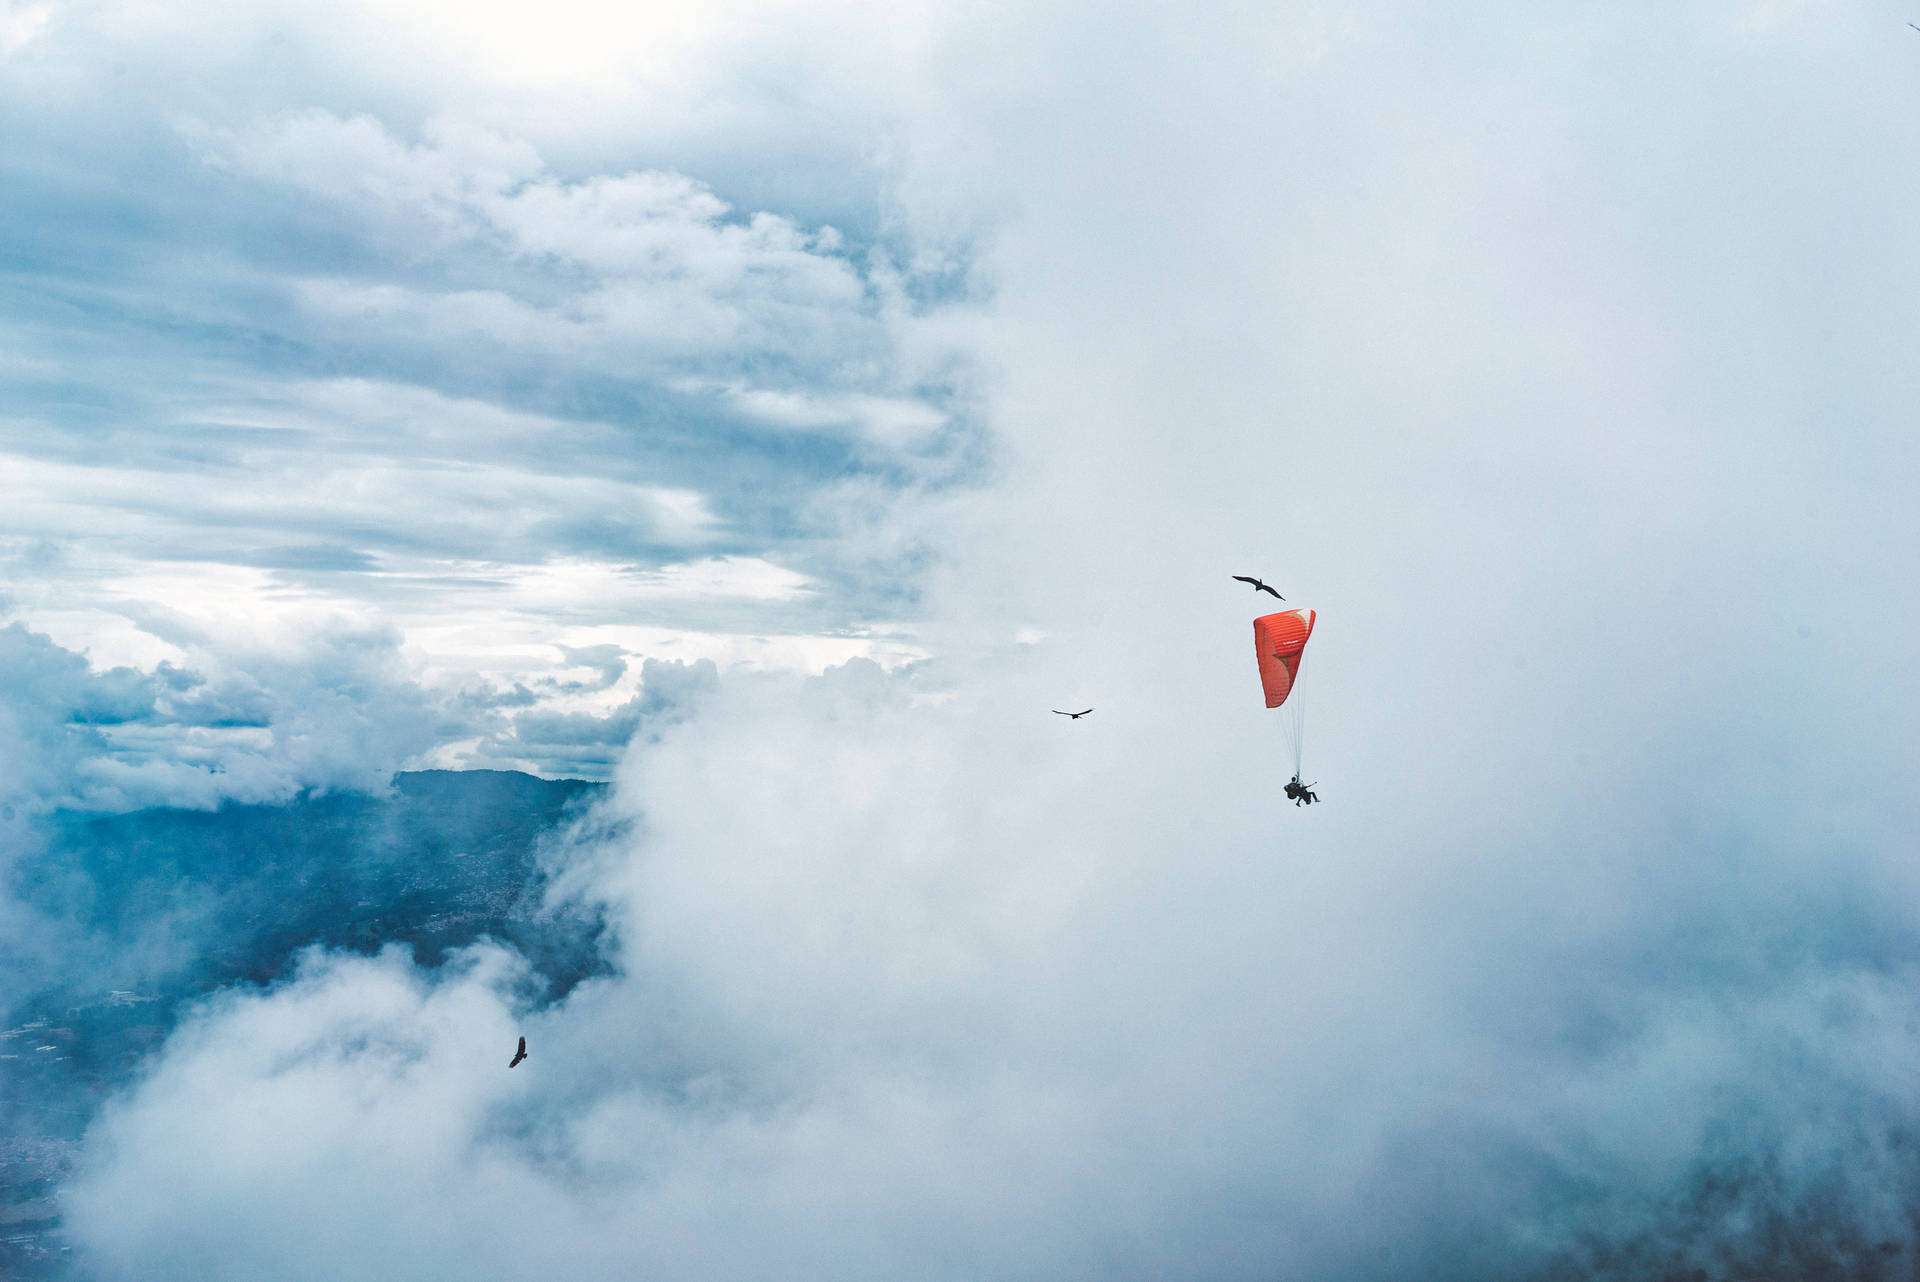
(1301, 793)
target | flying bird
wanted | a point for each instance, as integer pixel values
(518, 1055)
(1075, 715)
(1258, 586)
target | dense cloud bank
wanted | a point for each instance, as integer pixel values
(1559, 360)
(908, 987)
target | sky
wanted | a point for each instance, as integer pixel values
(775, 410)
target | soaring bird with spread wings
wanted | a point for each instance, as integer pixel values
(518, 1055)
(1075, 715)
(1258, 586)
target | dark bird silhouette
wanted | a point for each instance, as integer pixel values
(1075, 715)
(518, 1055)
(1258, 586)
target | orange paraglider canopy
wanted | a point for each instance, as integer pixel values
(1278, 640)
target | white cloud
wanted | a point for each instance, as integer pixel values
(909, 987)
(596, 593)
(895, 422)
(355, 164)
(20, 24)
(359, 1042)
(607, 45)
(671, 266)
(1468, 333)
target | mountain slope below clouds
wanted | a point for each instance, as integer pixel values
(134, 915)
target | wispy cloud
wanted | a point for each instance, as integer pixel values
(423, 381)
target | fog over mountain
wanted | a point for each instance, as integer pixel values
(136, 920)
(570, 523)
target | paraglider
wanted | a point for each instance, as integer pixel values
(1279, 641)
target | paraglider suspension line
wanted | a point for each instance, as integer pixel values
(1293, 716)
